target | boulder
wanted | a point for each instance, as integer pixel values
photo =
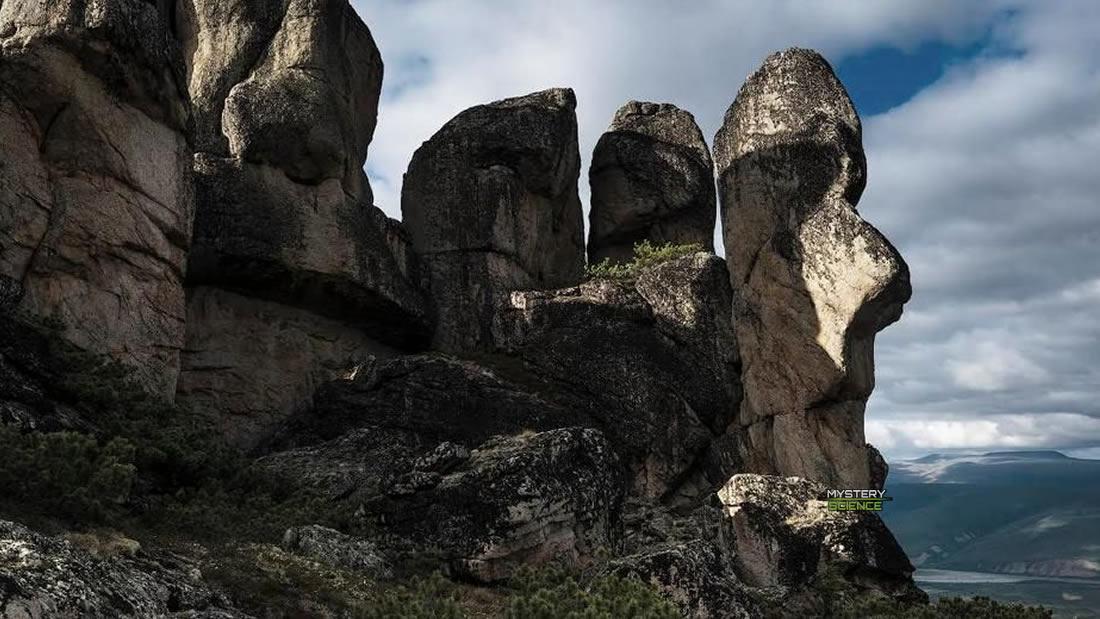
(335, 549)
(653, 360)
(526, 499)
(44, 577)
(491, 204)
(95, 191)
(652, 180)
(694, 575)
(782, 533)
(813, 281)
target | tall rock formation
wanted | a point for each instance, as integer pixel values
(295, 278)
(95, 189)
(813, 282)
(652, 179)
(491, 204)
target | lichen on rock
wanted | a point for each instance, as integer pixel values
(813, 282)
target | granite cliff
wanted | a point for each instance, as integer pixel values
(182, 201)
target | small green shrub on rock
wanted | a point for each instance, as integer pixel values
(645, 255)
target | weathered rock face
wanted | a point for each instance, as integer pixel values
(555, 495)
(653, 361)
(335, 549)
(43, 578)
(652, 179)
(491, 204)
(295, 277)
(95, 188)
(783, 534)
(292, 84)
(813, 282)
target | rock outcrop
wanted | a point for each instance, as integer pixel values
(813, 282)
(491, 204)
(784, 534)
(291, 84)
(294, 277)
(44, 577)
(95, 187)
(652, 180)
(653, 361)
(181, 188)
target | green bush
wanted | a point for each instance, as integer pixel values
(65, 474)
(424, 598)
(844, 601)
(554, 593)
(645, 255)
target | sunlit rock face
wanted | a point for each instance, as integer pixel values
(491, 204)
(95, 189)
(652, 180)
(813, 282)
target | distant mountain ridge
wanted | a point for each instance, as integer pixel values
(1017, 512)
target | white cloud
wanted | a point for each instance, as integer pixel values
(993, 365)
(910, 436)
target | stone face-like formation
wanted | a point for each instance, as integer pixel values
(652, 179)
(783, 534)
(491, 204)
(295, 277)
(813, 281)
(95, 190)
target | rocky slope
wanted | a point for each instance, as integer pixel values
(182, 193)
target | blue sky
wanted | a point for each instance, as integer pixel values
(982, 130)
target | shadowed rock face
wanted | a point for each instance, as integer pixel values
(95, 192)
(491, 204)
(652, 179)
(813, 281)
(654, 361)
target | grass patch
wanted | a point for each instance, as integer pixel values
(645, 255)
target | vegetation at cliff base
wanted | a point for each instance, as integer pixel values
(844, 601)
(645, 255)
